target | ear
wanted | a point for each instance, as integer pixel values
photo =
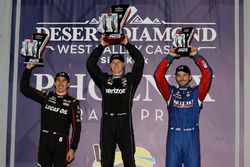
(123, 65)
(110, 67)
(68, 85)
(190, 77)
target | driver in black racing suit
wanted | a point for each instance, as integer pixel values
(58, 112)
(117, 91)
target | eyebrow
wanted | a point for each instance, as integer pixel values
(62, 79)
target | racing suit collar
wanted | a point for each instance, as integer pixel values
(117, 76)
(61, 96)
(183, 88)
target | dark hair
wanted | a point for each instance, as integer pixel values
(63, 74)
(117, 56)
(183, 68)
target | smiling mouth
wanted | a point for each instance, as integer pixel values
(60, 86)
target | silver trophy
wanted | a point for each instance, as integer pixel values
(111, 24)
(182, 40)
(33, 47)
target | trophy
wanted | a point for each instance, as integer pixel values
(182, 40)
(111, 24)
(33, 47)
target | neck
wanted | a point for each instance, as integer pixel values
(117, 74)
(61, 93)
(185, 86)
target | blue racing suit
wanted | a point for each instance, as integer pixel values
(184, 105)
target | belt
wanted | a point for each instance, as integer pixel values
(184, 129)
(52, 132)
(115, 114)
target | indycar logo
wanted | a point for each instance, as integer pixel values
(143, 158)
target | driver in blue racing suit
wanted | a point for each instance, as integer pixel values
(184, 105)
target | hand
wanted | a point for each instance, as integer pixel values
(172, 52)
(103, 43)
(70, 155)
(194, 51)
(125, 41)
(30, 66)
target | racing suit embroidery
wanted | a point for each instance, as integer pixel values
(184, 105)
(57, 114)
(117, 95)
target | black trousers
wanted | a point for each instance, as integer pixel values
(52, 150)
(117, 130)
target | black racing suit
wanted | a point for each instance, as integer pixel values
(117, 98)
(57, 114)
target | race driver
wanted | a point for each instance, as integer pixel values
(117, 90)
(184, 105)
(58, 112)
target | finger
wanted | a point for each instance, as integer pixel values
(70, 158)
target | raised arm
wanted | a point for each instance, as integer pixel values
(206, 78)
(160, 79)
(28, 90)
(160, 73)
(92, 67)
(206, 73)
(137, 69)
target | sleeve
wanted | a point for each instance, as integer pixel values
(29, 91)
(137, 69)
(92, 67)
(76, 125)
(160, 79)
(206, 78)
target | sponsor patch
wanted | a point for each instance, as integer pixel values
(60, 139)
(204, 63)
(115, 91)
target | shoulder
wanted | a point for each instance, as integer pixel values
(195, 88)
(107, 75)
(47, 92)
(173, 88)
(72, 99)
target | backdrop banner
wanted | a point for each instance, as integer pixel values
(72, 26)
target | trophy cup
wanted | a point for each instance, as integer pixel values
(182, 41)
(33, 47)
(111, 24)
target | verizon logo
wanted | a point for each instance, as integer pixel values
(115, 91)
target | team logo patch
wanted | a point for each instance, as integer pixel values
(65, 104)
(204, 63)
(124, 82)
(110, 82)
(52, 99)
(60, 139)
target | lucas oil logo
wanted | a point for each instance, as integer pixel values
(56, 109)
(143, 157)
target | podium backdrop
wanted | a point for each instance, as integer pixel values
(72, 26)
